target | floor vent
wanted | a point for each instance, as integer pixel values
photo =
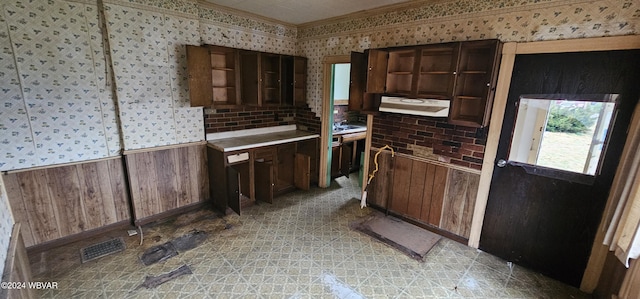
(101, 249)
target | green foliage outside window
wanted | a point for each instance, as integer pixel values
(573, 118)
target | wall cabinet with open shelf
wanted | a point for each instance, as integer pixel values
(462, 72)
(222, 77)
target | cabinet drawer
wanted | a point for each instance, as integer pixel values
(266, 154)
(237, 158)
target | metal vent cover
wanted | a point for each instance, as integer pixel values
(99, 250)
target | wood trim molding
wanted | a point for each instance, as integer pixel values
(165, 147)
(17, 267)
(62, 165)
(491, 148)
(367, 151)
(434, 162)
(325, 134)
(628, 42)
(121, 225)
(631, 285)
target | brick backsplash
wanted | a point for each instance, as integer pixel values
(307, 120)
(241, 118)
(224, 120)
(431, 138)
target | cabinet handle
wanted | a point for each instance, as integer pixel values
(455, 73)
(488, 84)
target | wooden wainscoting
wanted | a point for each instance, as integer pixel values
(433, 193)
(459, 202)
(57, 202)
(17, 268)
(167, 181)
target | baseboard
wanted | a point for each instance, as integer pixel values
(122, 225)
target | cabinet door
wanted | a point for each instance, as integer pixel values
(287, 78)
(475, 83)
(233, 189)
(437, 70)
(284, 169)
(309, 148)
(250, 77)
(264, 181)
(302, 168)
(199, 74)
(300, 81)
(346, 150)
(376, 71)
(358, 80)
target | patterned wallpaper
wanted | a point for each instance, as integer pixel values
(149, 61)
(224, 29)
(6, 225)
(56, 106)
(507, 20)
(58, 101)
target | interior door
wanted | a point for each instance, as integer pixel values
(547, 220)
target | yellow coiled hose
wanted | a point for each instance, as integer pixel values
(363, 200)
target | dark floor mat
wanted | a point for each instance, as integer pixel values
(408, 238)
(189, 241)
(99, 250)
(154, 281)
(158, 253)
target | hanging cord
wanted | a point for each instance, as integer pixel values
(363, 200)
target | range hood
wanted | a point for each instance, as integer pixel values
(424, 107)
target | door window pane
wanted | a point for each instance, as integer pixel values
(563, 133)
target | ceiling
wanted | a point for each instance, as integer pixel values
(303, 11)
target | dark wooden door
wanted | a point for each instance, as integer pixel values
(302, 170)
(264, 181)
(199, 73)
(233, 189)
(549, 224)
(284, 169)
(346, 150)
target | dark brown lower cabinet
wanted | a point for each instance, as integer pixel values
(240, 178)
(426, 192)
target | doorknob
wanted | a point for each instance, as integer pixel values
(501, 163)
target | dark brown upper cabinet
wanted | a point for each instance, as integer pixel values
(437, 71)
(366, 80)
(270, 79)
(463, 72)
(294, 78)
(213, 76)
(226, 77)
(475, 83)
(400, 72)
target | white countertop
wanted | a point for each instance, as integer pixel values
(246, 139)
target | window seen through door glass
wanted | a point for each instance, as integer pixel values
(562, 134)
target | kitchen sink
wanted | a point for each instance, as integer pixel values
(346, 127)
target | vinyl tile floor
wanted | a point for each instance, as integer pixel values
(300, 246)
